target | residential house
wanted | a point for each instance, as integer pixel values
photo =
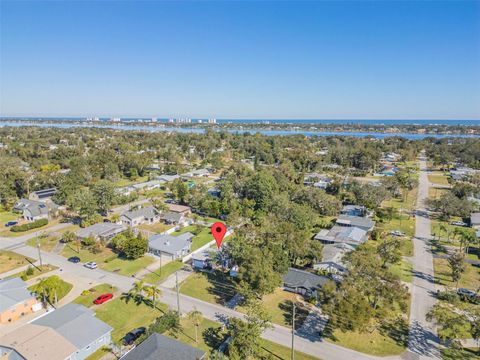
(181, 209)
(144, 186)
(215, 192)
(364, 223)
(168, 178)
(101, 231)
(33, 210)
(303, 282)
(145, 215)
(174, 218)
(197, 173)
(354, 210)
(43, 195)
(174, 247)
(79, 326)
(16, 300)
(353, 235)
(35, 342)
(317, 180)
(158, 346)
(332, 258)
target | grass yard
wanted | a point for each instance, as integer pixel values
(10, 260)
(93, 293)
(215, 288)
(443, 231)
(6, 216)
(86, 255)
(207, 340)
(99, 354)
(404, 202)
(156, 277)
(47, 242)
(470, 278)
(63, 289)
(127, 267)
(403, 270)
(464, 354)
(125, 316)
(156, 228)
(8, 233)
(202, 237)
(436, 193)
(403, 223)
(43, 270)
(128, 182)
(279, 306)
(438, 178)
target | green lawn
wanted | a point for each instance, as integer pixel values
(125, 316)
(47, 242)
(187, 334)
(9, 233)
(43, 270)
(99, 354)
(128, 182)
(127, 267)
(403, 270)
(6, 216)
(470, 278)
(279, 307)
(215, 288)
(93, 293)
(464, 354)
(10, 260)
(86, 255)
(202, 237)
(438, 178)
(447, 236)
(156, 228)
(435, 193)
(157, 277)
(63, 290)
(403, 223)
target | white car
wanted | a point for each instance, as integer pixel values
(91, 265)
(459, 223)
(397, 233)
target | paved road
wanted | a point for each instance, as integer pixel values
(7, 243)
(423, 342)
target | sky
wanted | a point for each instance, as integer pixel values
(234, 59)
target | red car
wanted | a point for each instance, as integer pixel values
(103, 298)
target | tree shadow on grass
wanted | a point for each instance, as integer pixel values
(301, 312)
(213, 337)
(221, 286)
(396, 329)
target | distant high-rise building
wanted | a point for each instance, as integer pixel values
(212, 121)
(115, 119)
(154, 119)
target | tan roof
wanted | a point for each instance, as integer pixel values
(178, 208)
(36, 342)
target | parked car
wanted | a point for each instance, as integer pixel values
(74, 259)
(133, 335)
(103, 298)
(11, 223)
(91, 265)
(466, 293)
(459, 223)
(397, 233)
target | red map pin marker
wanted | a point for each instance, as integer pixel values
(218, 231)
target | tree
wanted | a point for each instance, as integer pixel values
(246, 334)
(135, 247)
(457, 266)
(104, 194)
(69, 236)
(169, 321)
(48, 288)
(451, 324)
(196, 317)
(153, 292)
(180, 190)
(83, 202)
(389, 251)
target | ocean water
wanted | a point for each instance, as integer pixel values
(201, 130)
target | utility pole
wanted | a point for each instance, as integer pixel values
(293, 331)
(160, 269)
(39, 252)
(178, 296)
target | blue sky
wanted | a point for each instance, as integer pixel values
(325, 60)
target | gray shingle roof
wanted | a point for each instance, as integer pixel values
(298, 278)
(13, 291)
(100, 229)
(145, 212)
(157, 347)
(76, 323)
(170, 244)
(172, 216)
(361, 222)
(475, 218)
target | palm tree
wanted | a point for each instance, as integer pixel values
(47, 289)
(137, 290)
(152, 291)
(196, 317)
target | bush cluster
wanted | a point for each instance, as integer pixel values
(29, 226)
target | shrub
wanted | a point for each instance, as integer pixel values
(29, 271)
(29, 226)
(169, 321)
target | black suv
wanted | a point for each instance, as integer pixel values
(133, 335)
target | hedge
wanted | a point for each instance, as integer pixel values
(29, 226)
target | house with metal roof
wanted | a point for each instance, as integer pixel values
(78, 325)
(173, 218)
(303, 282)
(174, 247)
(43, 195)
(332, 258)
(16, 300)
(145, 215)
(158, 346)
(101, 231)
